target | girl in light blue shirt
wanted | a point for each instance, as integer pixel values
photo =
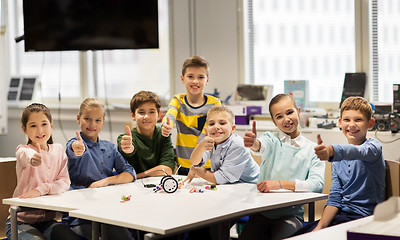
(288, 162)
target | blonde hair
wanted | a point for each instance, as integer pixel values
(358, 104)
(90, 103)
(222, 108)
(195, 61)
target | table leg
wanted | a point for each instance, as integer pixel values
(104, 235)
(95, 230)
(13, 220)
(223, 231)
(150, 236)
(311, 212)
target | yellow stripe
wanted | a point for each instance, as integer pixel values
(186, 140)
(189, 121)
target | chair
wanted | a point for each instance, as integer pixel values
(388, 181)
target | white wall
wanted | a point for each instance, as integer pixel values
(214, 35)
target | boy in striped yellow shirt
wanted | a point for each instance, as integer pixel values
(189, 111)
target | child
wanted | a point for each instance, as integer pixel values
(188, 111)
(288, 162)
(91, 162)
(41, 170)
(145, 148)
(230, 161)
(358, 168)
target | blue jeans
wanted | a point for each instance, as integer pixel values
(341, 217)
(113, 232)
(43, 230)
(261, 227)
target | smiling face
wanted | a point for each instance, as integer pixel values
(195, 79)
(220, 126)
(91, 122)
(38, 128)
(146, 116)
(354, 126)
(286, 116)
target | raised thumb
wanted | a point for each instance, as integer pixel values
(78, 136)
(254, 129)
(319, 139)
(205, 132)
(38, 148)
(128, 131)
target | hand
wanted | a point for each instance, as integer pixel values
(36, 160)
(78, 146)
(31, 194)
(190, 175)
(266, 186)
(316, 228)
(207, 143)
(323, 152)
(101, 183)
(126, 141)
(166, 128)
(250, 137)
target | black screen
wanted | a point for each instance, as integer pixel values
(56, 25)
(354, 85)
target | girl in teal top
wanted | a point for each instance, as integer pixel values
(288, 162)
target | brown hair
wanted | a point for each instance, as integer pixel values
(36, 108)
(142, 97)
(358, 104)
(195, 61)
(222, 108)
(278, 98)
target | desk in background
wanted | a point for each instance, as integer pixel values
(163, 213)
(8, 179)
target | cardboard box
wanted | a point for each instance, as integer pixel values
(385, 226)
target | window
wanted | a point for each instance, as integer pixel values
(301, 40)
(387, 43)
(112, 74)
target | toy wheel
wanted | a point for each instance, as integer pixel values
(169, 184)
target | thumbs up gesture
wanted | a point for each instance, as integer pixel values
(166, 128)
(78, 146)
(323, 152)
(250, 137)
(126, 141)
(36, 160)
(207, 143)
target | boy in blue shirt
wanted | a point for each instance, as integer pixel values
(358, 168)
(230, 161)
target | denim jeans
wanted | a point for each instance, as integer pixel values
(43, 230)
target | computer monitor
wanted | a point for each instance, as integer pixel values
(354, 85)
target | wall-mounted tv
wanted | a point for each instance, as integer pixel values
(58, 25)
